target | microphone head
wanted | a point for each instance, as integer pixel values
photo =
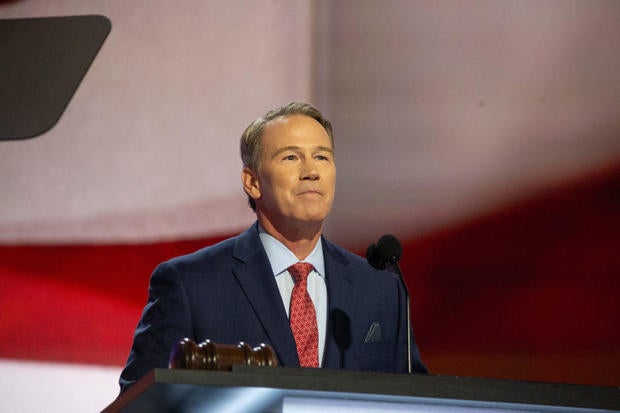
(389, 248)
(375, 258)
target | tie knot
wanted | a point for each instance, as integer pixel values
(300, 271)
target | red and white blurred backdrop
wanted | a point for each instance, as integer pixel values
(484, 134)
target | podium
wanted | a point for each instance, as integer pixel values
(280, 389)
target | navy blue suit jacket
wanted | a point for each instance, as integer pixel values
(227, 293)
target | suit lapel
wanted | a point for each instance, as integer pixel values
(340, 300)
(254, 275)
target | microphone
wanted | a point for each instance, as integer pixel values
(375, 258)
(386, 253)
(390, 248)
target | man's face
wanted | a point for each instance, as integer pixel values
(296, 179)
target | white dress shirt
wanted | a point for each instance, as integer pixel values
(280, 259)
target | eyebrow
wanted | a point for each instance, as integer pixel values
(297, 148)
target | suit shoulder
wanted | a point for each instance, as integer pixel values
(208, 255)
(348, 256)
(358, 264)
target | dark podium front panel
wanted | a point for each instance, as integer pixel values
(277, 389)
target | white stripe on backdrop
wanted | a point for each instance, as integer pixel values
(55, 387)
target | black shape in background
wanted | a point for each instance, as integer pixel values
(341, 329)
(42, 62)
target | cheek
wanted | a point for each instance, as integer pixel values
(279, 186)
(332, 178)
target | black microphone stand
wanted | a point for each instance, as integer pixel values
(393, 262)
(387, 254)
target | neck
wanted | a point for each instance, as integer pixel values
(300, 238)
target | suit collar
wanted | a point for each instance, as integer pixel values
(341, 302)
(334, 255)
(254, 274)
(247, 244)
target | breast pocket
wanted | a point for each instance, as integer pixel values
(376, 349)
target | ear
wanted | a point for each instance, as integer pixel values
(250, 182)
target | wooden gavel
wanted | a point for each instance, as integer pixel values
(208, 355)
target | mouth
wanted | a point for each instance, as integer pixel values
(310, 193)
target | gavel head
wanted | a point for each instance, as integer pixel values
(186, 354)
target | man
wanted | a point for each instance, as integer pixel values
(340, 313)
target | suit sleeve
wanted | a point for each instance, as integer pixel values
(165, 320)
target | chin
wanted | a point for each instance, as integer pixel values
(310, 214)
(314, 217)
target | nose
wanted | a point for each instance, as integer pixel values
(309, 170)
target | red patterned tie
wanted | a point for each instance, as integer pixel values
(303, 317)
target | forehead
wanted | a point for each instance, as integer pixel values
(295, 130)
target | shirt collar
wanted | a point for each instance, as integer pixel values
(281, 257)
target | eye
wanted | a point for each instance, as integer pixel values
(322, 158)
(290, 157)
